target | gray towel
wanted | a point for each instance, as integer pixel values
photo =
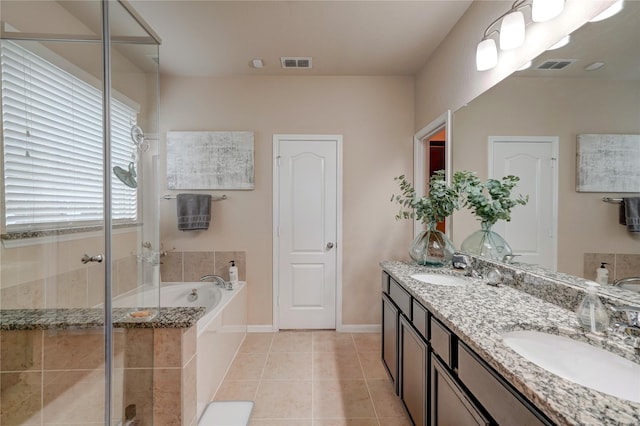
(194, 211)
(631, 206)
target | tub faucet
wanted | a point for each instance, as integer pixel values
(217, 280)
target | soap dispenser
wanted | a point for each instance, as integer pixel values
(233, 274)
(591, 313)
(602, 274)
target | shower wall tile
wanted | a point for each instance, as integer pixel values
(627, 265)
(74, 350)
(67, 290)
(73, 397)
(23, 296)
(95, 284)
(167, 347)
(167, 392)
(223, 259)
(197, 264)
(21, 396)
(127, 277)
(171, 267)
(21, 350)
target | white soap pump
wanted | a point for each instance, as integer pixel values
(233, 274)
(602, 274)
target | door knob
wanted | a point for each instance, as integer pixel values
(86, 258)
(329, 246)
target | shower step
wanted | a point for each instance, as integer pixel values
(226, 413)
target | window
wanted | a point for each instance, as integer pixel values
(53, 149)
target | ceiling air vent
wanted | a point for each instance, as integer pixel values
(295, 62)
(555, 64)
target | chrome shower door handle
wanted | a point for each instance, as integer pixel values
(86, 258)
(329, 246)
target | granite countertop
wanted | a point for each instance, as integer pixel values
(44, 319)
(478, 313)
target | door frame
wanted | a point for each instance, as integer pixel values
(555, 142)
(419, 166)
(337, 139)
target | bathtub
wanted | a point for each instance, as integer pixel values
(220, 332)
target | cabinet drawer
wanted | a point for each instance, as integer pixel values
(385, 282)
(442, 342)
(400, 297)
(420, 319)
(503, 404)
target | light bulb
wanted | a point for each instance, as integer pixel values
(545, 10)
(486, 55)
(609, 12)
(512, 31)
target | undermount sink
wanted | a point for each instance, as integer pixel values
(438, 279)
(578, 362)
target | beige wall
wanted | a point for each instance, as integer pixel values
(449, 79)
(375, 117)
(554, 107)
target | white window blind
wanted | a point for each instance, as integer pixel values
(52, 135)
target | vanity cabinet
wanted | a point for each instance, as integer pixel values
(414, 373)
(441, 380)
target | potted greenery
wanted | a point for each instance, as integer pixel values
(489, 201)
(430, 247)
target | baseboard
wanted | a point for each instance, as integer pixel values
(344, 328)
(360, 328)
(266, 328)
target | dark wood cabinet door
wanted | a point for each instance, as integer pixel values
(450, 406)
(390, 339)
(414, 367)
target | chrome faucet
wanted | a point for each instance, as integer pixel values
(462, 261)
(217, 280)
(627, 280)
(632, 327)
(508, 258)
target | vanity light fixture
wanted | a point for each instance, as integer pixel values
(546, 10)
(512, 30)
(561, 43)
(608, 12)
(486, 54)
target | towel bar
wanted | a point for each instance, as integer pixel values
(213, 197)
(612, 200)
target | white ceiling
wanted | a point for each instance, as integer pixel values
(220, 38)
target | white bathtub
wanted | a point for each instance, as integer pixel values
(220, 331)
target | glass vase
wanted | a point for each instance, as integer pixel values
(486, 243)
(431, 247)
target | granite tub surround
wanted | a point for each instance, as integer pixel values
(45, 319)
(478, 314)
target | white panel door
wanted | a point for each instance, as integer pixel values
(306, 232)
(532, 231)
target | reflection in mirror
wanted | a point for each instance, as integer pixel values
(562, 96)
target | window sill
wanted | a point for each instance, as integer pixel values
(28, 238)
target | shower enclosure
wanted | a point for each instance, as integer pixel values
(79, 205)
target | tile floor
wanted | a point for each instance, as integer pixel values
(313, 378)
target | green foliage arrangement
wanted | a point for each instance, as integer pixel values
(490, 201)
(442, 200)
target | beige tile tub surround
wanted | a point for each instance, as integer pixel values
(57, 376)
(189, 266)
(319, 378)
(620, 265)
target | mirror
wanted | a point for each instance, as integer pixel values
(564, 103)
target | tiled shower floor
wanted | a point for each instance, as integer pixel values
(313, 378)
